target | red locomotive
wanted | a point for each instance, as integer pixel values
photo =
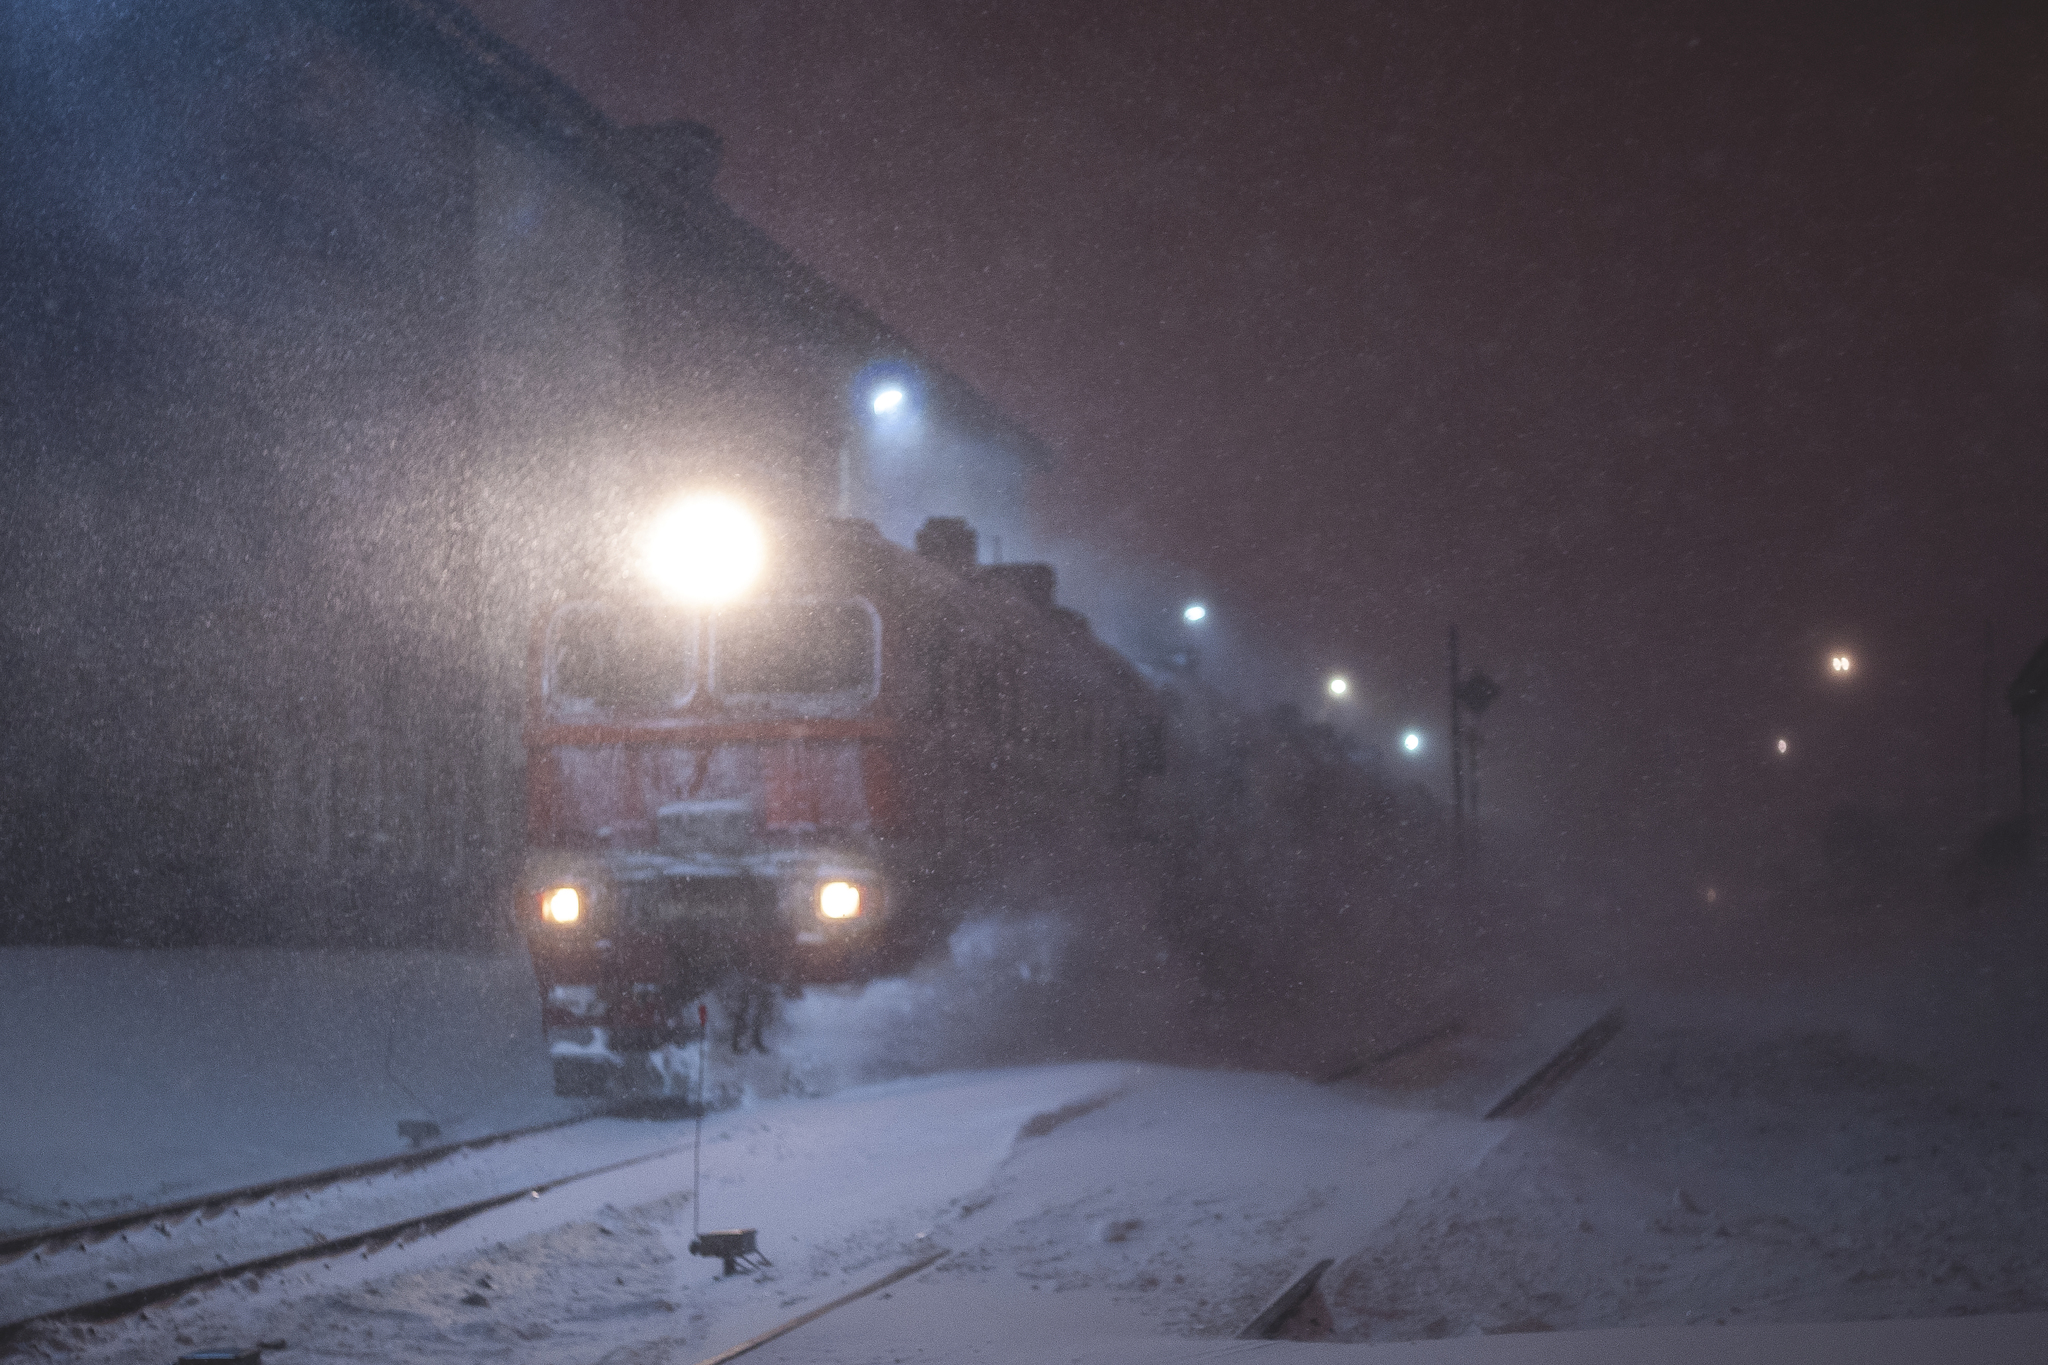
(798, 765)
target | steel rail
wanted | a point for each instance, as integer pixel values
(142, 1296)
(753, 1343)
(1540, 1084)
(1272, 1319)
(1372, 1061)
(15, 1245)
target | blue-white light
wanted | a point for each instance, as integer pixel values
(888, 400)
(1412, 742)
(1193, 613)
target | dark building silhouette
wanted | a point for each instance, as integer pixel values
(337, 337)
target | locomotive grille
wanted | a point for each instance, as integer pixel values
(728, 902)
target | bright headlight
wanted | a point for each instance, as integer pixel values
(838, 900)
(562, 905)
(706, 550)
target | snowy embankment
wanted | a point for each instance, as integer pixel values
(134, 1077)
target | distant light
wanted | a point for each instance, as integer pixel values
(1194, 612)
(1340, 685)
(888, 399)
(1711, 895)
(563, 905)
(706, 549)
(1784, 746)
(1412, 742)
(1841, 663)
(839, 900)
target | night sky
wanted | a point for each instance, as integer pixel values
(1662, 347)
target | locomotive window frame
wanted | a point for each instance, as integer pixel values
(556, 704)
(848, 696)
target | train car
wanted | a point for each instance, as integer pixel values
(795, 756)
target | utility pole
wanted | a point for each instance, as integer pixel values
(1473, 694)
(1472, 777)
(1984, 729)
(1457, 747)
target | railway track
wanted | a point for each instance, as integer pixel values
(103, 1267)
(1297, 1310)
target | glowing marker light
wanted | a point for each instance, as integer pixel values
(1412, 742)
(1340, 686)
(1194, 612)
(1784, 746)
(1840, 664)
(706, 550)
(563, 905)
(888, 400)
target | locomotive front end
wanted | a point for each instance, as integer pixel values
(702, 774)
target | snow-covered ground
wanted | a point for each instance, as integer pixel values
(1732, 1161)
(1757, 1151)
(1084, 1200)
(1095, 1211)
(129, 1078)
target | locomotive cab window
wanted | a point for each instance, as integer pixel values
(797, 649)
(619, 662)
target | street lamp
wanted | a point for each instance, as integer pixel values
(1841, 665)
(1339, 685)
(1412, 742)
(1194, 613)
(889, 397)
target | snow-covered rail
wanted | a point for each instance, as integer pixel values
(1540, 1084)
(107, 1266)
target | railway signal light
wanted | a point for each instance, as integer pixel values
(1841, 665)
(1477, 693)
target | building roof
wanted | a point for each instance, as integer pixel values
(513, 85)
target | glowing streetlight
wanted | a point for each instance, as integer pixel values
(1784, 746)
(706, 550)
(1339, 686)
(1194, 613)
(888, 400)
(1841, 665)
(1412, 742)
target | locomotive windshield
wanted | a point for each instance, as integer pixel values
(622, 662)
(795, 649)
